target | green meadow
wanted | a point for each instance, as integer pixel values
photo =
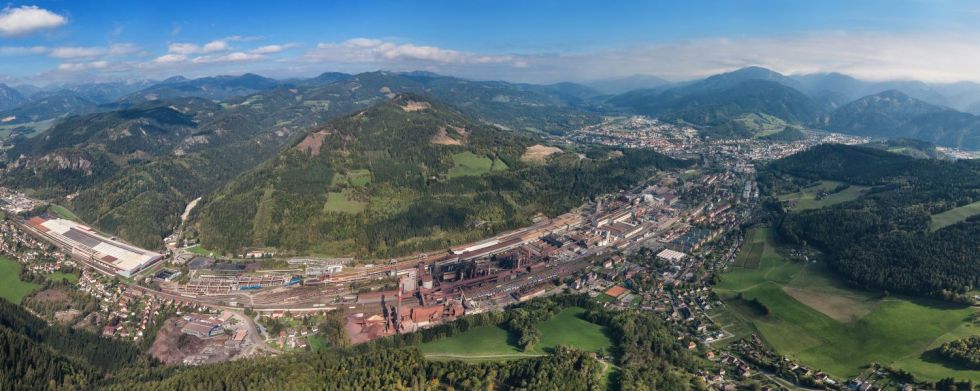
(470, 164)
(11, 287)
(954, 216)
(814, 318)
(806, 199)
(493, 343)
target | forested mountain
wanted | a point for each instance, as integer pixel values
(878, 115)
(619, 85)
(408, 174)
(909, 147)
(10, 98)
(722, 104)
(100, 93)
(893, 114)
(883, 239)
(135, 168)
(48, 107)
(947, 128)
(719, 104)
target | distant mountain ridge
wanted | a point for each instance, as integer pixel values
(10, 98)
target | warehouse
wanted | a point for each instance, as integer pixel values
(107, 254)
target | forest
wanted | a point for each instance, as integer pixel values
(882, 239)
(379, 183)
(37, 356)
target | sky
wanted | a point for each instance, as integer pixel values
(54, 42)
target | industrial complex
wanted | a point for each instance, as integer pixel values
(87, 245)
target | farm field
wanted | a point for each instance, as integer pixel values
(815, 319)
(806, 199)
(954, 216)
(11, 287)
(493, 343)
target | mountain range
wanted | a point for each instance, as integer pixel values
(131, 155)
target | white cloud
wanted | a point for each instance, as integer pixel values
(122, 49)
(190, 48)
(26, 19)
(271, 49)
(170, 58)
(214, 46)
(230, 57)
(22, 50)
(77, 52)
(83, 66)
(365, 50)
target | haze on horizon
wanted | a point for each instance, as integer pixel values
(50, 42)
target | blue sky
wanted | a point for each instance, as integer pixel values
(541, 41)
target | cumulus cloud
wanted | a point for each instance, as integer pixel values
(230, 57)
(22, 50)
(68, 52)
(365, 50)
(23, 20)
(83, 66)
(190, 48)
(271, 49)
(122, 49)
(170, 58)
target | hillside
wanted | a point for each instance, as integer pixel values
(893, 114)
(883, 239)
(408, 174)
(41, 356)
(718, 103)
(10, 98)
(878, 115)
(48, 107)
(135, 168)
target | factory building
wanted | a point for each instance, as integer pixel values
(83, 243)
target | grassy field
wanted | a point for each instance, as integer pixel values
(807, 198)
(63, 212)
(762, 124)
(342, 202)
(11, 287)
(816, 319)
(470, 164)
(59, 276)
(493, 343)
(954, 216)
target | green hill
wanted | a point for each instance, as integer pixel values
(436, 178)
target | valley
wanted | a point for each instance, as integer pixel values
(738, 231)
